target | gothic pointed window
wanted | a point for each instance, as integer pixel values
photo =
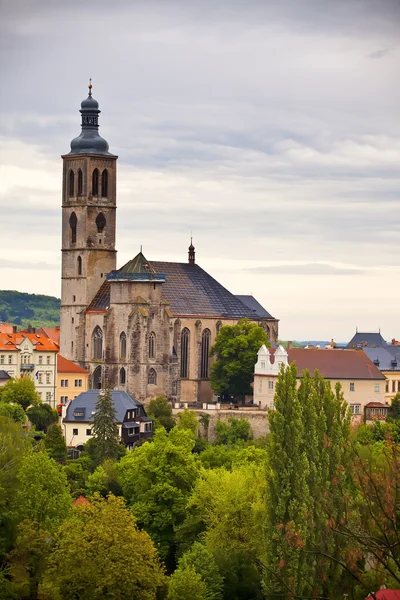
(80, 182)
(152, 377)
(79, 261)
(205, 350)
(97, 343)
(100, 222)
(73, 222)
(185, 337)
(96, 379)
(104, 183)
(71, 183)
(152, 345)
(122, 376)
(122, 346)
(95, 183)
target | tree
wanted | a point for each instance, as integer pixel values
(235, 349)
(119, 560)
(395, 408)
(77, 472)
(157, 479)
(188, 420)
(105, 429)
(161, 410)
(15, 412)
(55, 443)
(20, 391)
(42, 416)
(104, 480)
(187, 583)
(203, 562)
(233, 431)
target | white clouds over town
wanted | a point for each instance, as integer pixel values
(269, 130)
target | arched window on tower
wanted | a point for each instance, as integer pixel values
(122, 376)
(71, 183)
(152, 345)
(104, 183)
(96, 378)
(100, 222)
(79, 261)
(95, 183)
(152, 377)
(73, 222)
(122, 346)
(205, 350)
(97, 344)
(80, 182)
(185, 337)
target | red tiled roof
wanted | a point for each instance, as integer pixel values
(67, 366)
(52, 332)
(81, 500)
(385, 595)
(376, 405)
(6, 328)
(335, 364)
(41, 343)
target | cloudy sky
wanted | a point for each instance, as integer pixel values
(270, 129)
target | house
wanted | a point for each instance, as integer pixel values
(71, 380)
(361, 380)
(384, 594)
(385, 356)
(31, 355)
(133, 423)
(4, 377)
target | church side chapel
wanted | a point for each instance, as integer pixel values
(147, 327)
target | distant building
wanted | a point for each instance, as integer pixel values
(71, 380)
(361, 381)
(133, 423)
(4, 377)
(31, 355)
(384, 356)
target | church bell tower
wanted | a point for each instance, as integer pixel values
(88, 226)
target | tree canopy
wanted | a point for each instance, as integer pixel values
(160, 410)
(20, 391)
(105, 439)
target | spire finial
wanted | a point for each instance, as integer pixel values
(90, 86)
(141, 248)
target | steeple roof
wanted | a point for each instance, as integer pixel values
(139, 264)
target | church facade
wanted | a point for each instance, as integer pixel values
(147, 327)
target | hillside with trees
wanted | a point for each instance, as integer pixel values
(23, 309)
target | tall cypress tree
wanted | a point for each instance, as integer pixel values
(105, 428)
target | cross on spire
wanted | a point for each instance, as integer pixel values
(90, 86)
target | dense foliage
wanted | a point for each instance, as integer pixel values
(23, 309)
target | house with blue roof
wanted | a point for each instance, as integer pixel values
(133, 423)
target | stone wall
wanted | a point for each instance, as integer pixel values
(258, 419)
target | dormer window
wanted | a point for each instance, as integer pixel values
(79, 412)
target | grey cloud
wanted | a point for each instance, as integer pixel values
(379, 53)
(307, 269)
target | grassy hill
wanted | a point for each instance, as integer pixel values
(29, 309)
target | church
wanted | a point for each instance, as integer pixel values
(148, 326)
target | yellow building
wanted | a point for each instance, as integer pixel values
(71, 380)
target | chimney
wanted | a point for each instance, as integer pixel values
(289, 345)
(14, 329)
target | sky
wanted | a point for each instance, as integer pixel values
(270, 130)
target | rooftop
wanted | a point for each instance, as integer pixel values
(67, 366)
(41, 343)
(84, 406)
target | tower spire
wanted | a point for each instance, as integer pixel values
(192, 254)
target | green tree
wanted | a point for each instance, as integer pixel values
(77, 472)
(233, 431)
(187, 583)
(157, 479)
(20, 391)
(395, 408)
(188, 420)
(235, 349)
(203, 562)
(161, 410)
(104, 480)
(105, 429)
(15, 412)
(119, 560)
(55, 444)
(42, 416)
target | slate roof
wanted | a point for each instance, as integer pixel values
(374, 340)
(86, 401)
(4, 376)
(387, 357)
(191, 291)
(139, 264)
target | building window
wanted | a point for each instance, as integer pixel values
(104, 183)
(122, 376)
(272, 405)
(48, 396)
(352, 387)
(100, 223)
(88, 432)
(185, 337)
(64, 382)
(398, 386)
(147, 426)
(9, 359)
(2, 357)
(387, 387)
(64, 399)
(152, 377)
(78, 382)
(73, 298)
(377, 388)
(130, 431)
(48, 359)
(218, 327)
(97, 378)
(71, 183)
(270, 385)
(40, 378)
(263, 365)
(122, 346)
(355, 409)
(48, 378)
(95, 183)
(74, 432)
(40, 360)
(73, 222)
(79, 262)
(152, 345)
(97, 343)
(205, 350)
(393, 386)
(80, 182)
